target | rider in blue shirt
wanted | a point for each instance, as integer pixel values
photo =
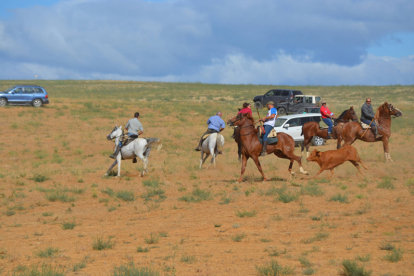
(269, 123)
(215, 125)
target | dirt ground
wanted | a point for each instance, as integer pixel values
(237, 229)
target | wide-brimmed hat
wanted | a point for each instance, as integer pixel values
(323, 102)
(272, 103)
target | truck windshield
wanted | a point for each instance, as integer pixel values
(280, 122)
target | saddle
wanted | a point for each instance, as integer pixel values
(270, 140)
(272, 133)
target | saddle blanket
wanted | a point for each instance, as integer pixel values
(364, 126)
(270, 140)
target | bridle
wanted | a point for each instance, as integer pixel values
(239, 117)
(109, 136)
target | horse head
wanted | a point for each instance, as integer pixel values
(352, 114)
(237, 120)
(116, 132)
(394, 111)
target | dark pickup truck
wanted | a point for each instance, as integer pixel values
(276, 96)
(297, 105)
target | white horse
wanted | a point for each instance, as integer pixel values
(140, 147)
(212, 145)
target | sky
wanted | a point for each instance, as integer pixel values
(302, 42)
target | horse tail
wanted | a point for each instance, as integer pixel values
(154, 142)
(219, 142)
(360, 161)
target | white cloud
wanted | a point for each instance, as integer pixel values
(227, 41)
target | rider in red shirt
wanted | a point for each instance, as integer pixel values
(326, 117)
(246, 109)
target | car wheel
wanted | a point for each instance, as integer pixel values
(3, 102)
(318, 141)
(281, 111)
(258, 105)
(37, 103)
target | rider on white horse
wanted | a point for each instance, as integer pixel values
(134, 128)
(215, 125)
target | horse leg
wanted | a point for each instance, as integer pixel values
(386, 149)
(110, 168)
(243, 168)
(118, 160)
(201, 160)
(332, 174)
(259, 167)
(339, 141)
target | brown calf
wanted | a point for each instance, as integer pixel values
(330, 159)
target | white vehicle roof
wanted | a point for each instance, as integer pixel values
(299, 115)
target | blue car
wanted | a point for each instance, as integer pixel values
(24, 95)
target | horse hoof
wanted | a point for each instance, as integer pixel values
(292, 173)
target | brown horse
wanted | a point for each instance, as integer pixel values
(311, 129)
(246, 133)
(353, 131)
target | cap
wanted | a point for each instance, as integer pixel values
(323, 102)
(270, 103)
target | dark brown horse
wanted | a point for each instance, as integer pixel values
(246, 133)
(353, 131)
(311, 129)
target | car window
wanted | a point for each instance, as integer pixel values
(277, 92)
(316, 119)
(305, 120)
(317, 99)
(279, 122)
(294, 122)
(285, 93)
(308, 100)
(38, 90)
(8, 90)
(18, 91)
(29, 90)
(270, 93)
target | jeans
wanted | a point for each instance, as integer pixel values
(329, 123)
(268, 129)
(368, 122)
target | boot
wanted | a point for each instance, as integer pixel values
(374, 131)
(263, 153)
(329, 136)
(199, 145)
(115, 154)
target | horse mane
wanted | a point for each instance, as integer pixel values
(381, 109)
(343, 114)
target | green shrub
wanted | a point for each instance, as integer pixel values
(394, 256)
(225, 200)
(39, 178)
(312, 189)
(364, 258)
(79, 266)
(197, 195)
(108, 191)
(351, 268)
(10, 213)
(68, 225)
(386, 183)
(288, 196)
(141, 249)
(188, 259)
(340, 198)
(309, 271)
(274, 269)
(43, 270)
(125, 195)
(304, 261)
(48, 252)
(130, 270)
(246, 214)
(154, 192)
(153, 183)
(387, 246)
(238, 237)
(152, 239)
(59, 196)
(100, 244)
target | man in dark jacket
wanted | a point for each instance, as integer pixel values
(367, 115)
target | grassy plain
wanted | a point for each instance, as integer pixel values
(60, 216)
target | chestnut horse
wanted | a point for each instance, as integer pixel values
(311, 129)
(353, 131)
(246, 133)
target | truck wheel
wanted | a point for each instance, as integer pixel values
(281, 111)
(258, 105)
(317, 141)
